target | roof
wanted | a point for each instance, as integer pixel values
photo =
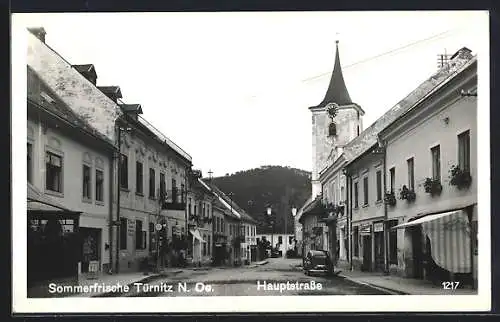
(128, 108)
(38, 201)
(86, 69)
(227, 202)
(114, 91)
(337, 90)
(48, 100)
(369, 136)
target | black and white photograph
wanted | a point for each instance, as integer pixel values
(251, 161)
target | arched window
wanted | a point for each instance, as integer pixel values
(332, 129)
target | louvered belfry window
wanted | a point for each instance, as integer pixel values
(332, 129)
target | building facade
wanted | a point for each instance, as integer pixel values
(432, 171)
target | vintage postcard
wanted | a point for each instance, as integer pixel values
(251, 162)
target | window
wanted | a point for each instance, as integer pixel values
(203, 209)
(411, 176)
(280, 239)
(152, 183)
(379, 185)
(464, 151)
(209, 245)
(342, 193)
(174, 191)
(393, 242)
(356, 240)
(182, 192)
(392, 174)
(30, 163)
(123, 233)
(139, 236)
(195, 210)
(138, 178)
(222, 224)
(436, 162)
(99, 185)
(365, 190)
(204, 245)
(123, 171)
(356, 195)
(86, 182)
(290, 239)
(53, 172)
(162, 185)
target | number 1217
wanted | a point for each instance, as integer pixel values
(450, 285)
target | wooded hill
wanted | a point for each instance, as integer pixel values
(255, 189)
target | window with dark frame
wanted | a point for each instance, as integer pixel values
(464, 150)
(138, 178)
(209, 245)
(139, 242)
(393, 242)
(436, 162)
(379, 185)
(356, 190)
(123, 233)
(162, 185)
(411, 174)
(86, 182)
(152, 183)
(123, 171)
(365, 190)
(183, 192)
(29, 164)
(392, 174)
(99, 185)
(53, 172)
(174, 191)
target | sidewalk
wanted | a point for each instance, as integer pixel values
(401, 285)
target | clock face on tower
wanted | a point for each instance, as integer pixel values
(332, 110)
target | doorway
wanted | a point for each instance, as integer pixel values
(418, 252)
(379, 251)
(91, 242)
(367, 253)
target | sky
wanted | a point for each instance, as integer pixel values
(233, 89)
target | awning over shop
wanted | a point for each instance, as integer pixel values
(196, 234)
(38, 202)
(424, 219)
(449, 235)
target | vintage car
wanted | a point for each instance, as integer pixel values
(317, 261)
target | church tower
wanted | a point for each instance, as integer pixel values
(335, 122)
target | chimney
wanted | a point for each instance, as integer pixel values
(38, 32)
(113, 92)
(88, 71)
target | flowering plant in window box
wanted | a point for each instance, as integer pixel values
(390, 198)
(407, 194)
(459, 177)
(433, 186)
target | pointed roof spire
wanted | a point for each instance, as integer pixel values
(337, 90)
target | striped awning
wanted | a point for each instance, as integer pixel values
(449, 234)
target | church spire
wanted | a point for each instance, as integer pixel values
(337, 90)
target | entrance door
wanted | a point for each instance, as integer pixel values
(379, 251)
(418, 254)
(90, 238)
(367, 252)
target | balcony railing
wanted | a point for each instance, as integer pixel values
(174, 199)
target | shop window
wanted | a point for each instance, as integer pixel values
(54, 172)
(139, 235)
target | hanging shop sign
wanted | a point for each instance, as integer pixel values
(378, 227)
(365, 229)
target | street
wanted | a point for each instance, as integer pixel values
(279, 276)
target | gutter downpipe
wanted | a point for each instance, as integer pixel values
(386, 232)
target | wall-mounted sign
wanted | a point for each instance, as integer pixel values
(365, 229)
(378, 227)
(131, 227)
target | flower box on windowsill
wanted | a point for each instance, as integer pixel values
(460, 178)
(407, 194)
(433, 186)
